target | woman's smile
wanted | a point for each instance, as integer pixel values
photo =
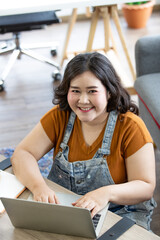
(85, 109)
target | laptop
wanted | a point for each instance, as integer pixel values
(54, 218)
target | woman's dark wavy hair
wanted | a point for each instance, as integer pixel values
(102, 68)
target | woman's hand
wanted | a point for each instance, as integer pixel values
(94, 201)
(45, 194)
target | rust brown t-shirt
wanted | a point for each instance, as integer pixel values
(129, 136)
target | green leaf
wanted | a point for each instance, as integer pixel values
(137, 3)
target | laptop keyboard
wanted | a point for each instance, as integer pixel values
(95, 220)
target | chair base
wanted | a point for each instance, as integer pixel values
(17, 50)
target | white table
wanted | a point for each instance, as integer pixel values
(10, 7)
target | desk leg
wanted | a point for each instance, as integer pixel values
(92, 29)
(88, 13)
(117, 23)
(106, 18)
(69, 31)
(112, 39)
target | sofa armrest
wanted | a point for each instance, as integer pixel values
(147, 55)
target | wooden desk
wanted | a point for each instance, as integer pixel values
(8, 232)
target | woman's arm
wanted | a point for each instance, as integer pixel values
(140, 186)
(141, 177)
(25, 167)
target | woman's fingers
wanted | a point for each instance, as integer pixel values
(94, 201)
(85, 203)
(90, 205)
(94, 211)
(46, 197)
(56, 199)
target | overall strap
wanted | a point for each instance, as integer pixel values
(105, 149)
(68, 130)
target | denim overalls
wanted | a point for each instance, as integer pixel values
(84, 176)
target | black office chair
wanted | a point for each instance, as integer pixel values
(26, 22)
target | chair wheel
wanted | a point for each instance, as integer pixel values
(1, 85)
(56, 76)
(53, 52)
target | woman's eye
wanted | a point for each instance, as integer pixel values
(92, 91)
(75, 91)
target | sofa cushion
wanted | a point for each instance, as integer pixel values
(148, 90)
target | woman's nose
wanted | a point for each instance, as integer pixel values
(83, 98)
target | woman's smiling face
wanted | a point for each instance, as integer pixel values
(87, 97)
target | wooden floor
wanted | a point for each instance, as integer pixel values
(29, 87)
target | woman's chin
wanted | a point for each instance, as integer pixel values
(85, 119)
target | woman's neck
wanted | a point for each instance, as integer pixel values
(92, 131)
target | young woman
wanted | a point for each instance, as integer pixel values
(102, 149)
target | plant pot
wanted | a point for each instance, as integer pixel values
(137, 15)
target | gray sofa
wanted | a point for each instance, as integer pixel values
(147, 84)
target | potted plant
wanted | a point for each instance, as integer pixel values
(137, 13)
